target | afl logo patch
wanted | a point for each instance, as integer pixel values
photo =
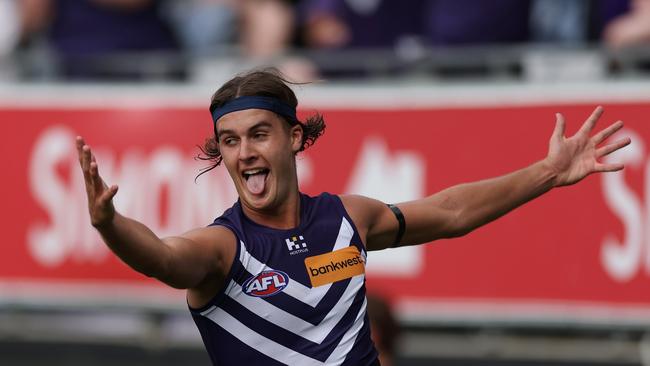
(266, 283)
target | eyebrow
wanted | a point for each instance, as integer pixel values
(254, 127)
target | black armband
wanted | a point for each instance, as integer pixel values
(402, 224)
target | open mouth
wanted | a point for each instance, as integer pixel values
(255, 179)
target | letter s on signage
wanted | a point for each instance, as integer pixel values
(47, 240)
(623, 260)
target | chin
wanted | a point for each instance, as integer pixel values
(259, 202)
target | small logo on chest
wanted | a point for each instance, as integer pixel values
(296, 245)
(266, 283)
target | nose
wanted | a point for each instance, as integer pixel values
(247, 151)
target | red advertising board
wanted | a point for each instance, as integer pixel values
(576, 249)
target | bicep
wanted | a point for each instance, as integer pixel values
(422, 222)
(197, 255)
(425, 220)
(375, 221)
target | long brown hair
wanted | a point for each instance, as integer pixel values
(266, 82)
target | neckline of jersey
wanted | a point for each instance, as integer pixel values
(268, 229)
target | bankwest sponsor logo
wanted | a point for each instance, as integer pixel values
(266, 283)
(335, 266)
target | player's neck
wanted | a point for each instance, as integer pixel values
(285, 215)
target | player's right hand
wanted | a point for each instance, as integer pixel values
(100, 195)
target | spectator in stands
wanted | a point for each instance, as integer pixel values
(631, 28)
(365, 23)
(9, 27)
(462, 22)
(204, 27)
(86, 34)
(563, 21)
(260, 32)
(360, 23)
(390, 25)
(9, 35)
(258, 28)
(354, 24)
(267, 33)
(267, 27)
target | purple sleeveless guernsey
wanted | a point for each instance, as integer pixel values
(292, 297)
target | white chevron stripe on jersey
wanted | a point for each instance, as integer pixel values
(308, 295)
(257, 341)
(315, 333)
(279, 352)
(295, 289)
(347, 341)
(345, 235)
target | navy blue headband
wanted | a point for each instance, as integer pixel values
(255, 102)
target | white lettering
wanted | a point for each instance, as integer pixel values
(278, 281)
(47, 241)
(156, 188)
(255, 286)
(622, 260)
(266, 281)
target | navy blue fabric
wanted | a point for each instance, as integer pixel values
(85, 35)
(380, 26)
(224, 349)
(300, 309)
(454, 22)
(320, 222)
(604, 12)
(363, 334)
(289, 339)
(437, 22)
(81, 27)
(255, 102)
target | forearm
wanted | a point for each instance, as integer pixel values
(460, 209)
(136, 245)
(479, 203)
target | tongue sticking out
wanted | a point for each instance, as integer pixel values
(256, 183)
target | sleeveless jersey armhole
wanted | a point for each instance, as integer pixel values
(343, 211)
(221, 293)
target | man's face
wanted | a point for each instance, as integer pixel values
(258, 149)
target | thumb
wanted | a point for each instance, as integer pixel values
(560, 126)
(108, 194)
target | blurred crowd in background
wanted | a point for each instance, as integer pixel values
(141, 39)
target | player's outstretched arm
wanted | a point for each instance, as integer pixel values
(183, 262)
(460, 209)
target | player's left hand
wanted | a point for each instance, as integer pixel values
(576, 157)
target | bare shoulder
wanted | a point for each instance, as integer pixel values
(361, 208)
(211, 235)
(208, 251)
(213, 250)
(217, 242)
(373, 219)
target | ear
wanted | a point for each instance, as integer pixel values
(296, 133)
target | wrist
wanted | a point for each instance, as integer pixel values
(550, 173)
(104, 224)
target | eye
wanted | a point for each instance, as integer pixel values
(259, 135)
(229, 141)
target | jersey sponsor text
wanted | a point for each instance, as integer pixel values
(335, 266)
